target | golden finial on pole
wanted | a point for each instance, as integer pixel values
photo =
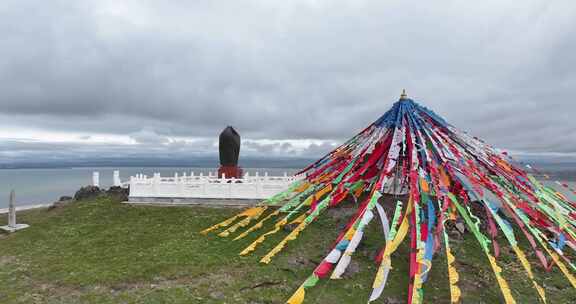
(403, 95)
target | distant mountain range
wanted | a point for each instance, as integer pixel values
(198, 162)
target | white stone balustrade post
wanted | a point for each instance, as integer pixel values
(96, 179)
(258, 186)
(116, 178)
(230, 185)
(156, 183)
(203, 186)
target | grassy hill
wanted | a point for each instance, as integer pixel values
(100, 251)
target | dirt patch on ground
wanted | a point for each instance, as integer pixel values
(5, 260)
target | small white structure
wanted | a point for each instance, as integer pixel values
(12, 225)
(116, 179)
(179, 188)
(96, 179)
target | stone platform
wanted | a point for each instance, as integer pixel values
(14, 228)
(204, 202)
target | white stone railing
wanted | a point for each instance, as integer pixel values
(208, 186)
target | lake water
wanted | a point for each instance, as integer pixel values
(41, 186)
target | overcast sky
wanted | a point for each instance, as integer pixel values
(294, 77)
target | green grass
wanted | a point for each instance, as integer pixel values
(100, 251)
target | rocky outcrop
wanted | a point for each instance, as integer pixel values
(87, 192)
(119, 193)
(65, 198)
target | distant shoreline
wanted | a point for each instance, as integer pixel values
(562, 176)
(247, 162)
(26, 207)
(37, 206)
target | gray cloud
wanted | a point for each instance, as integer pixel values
(148, 151)
(148, 136)
(502, 70)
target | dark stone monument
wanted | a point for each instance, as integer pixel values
(229, 146)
